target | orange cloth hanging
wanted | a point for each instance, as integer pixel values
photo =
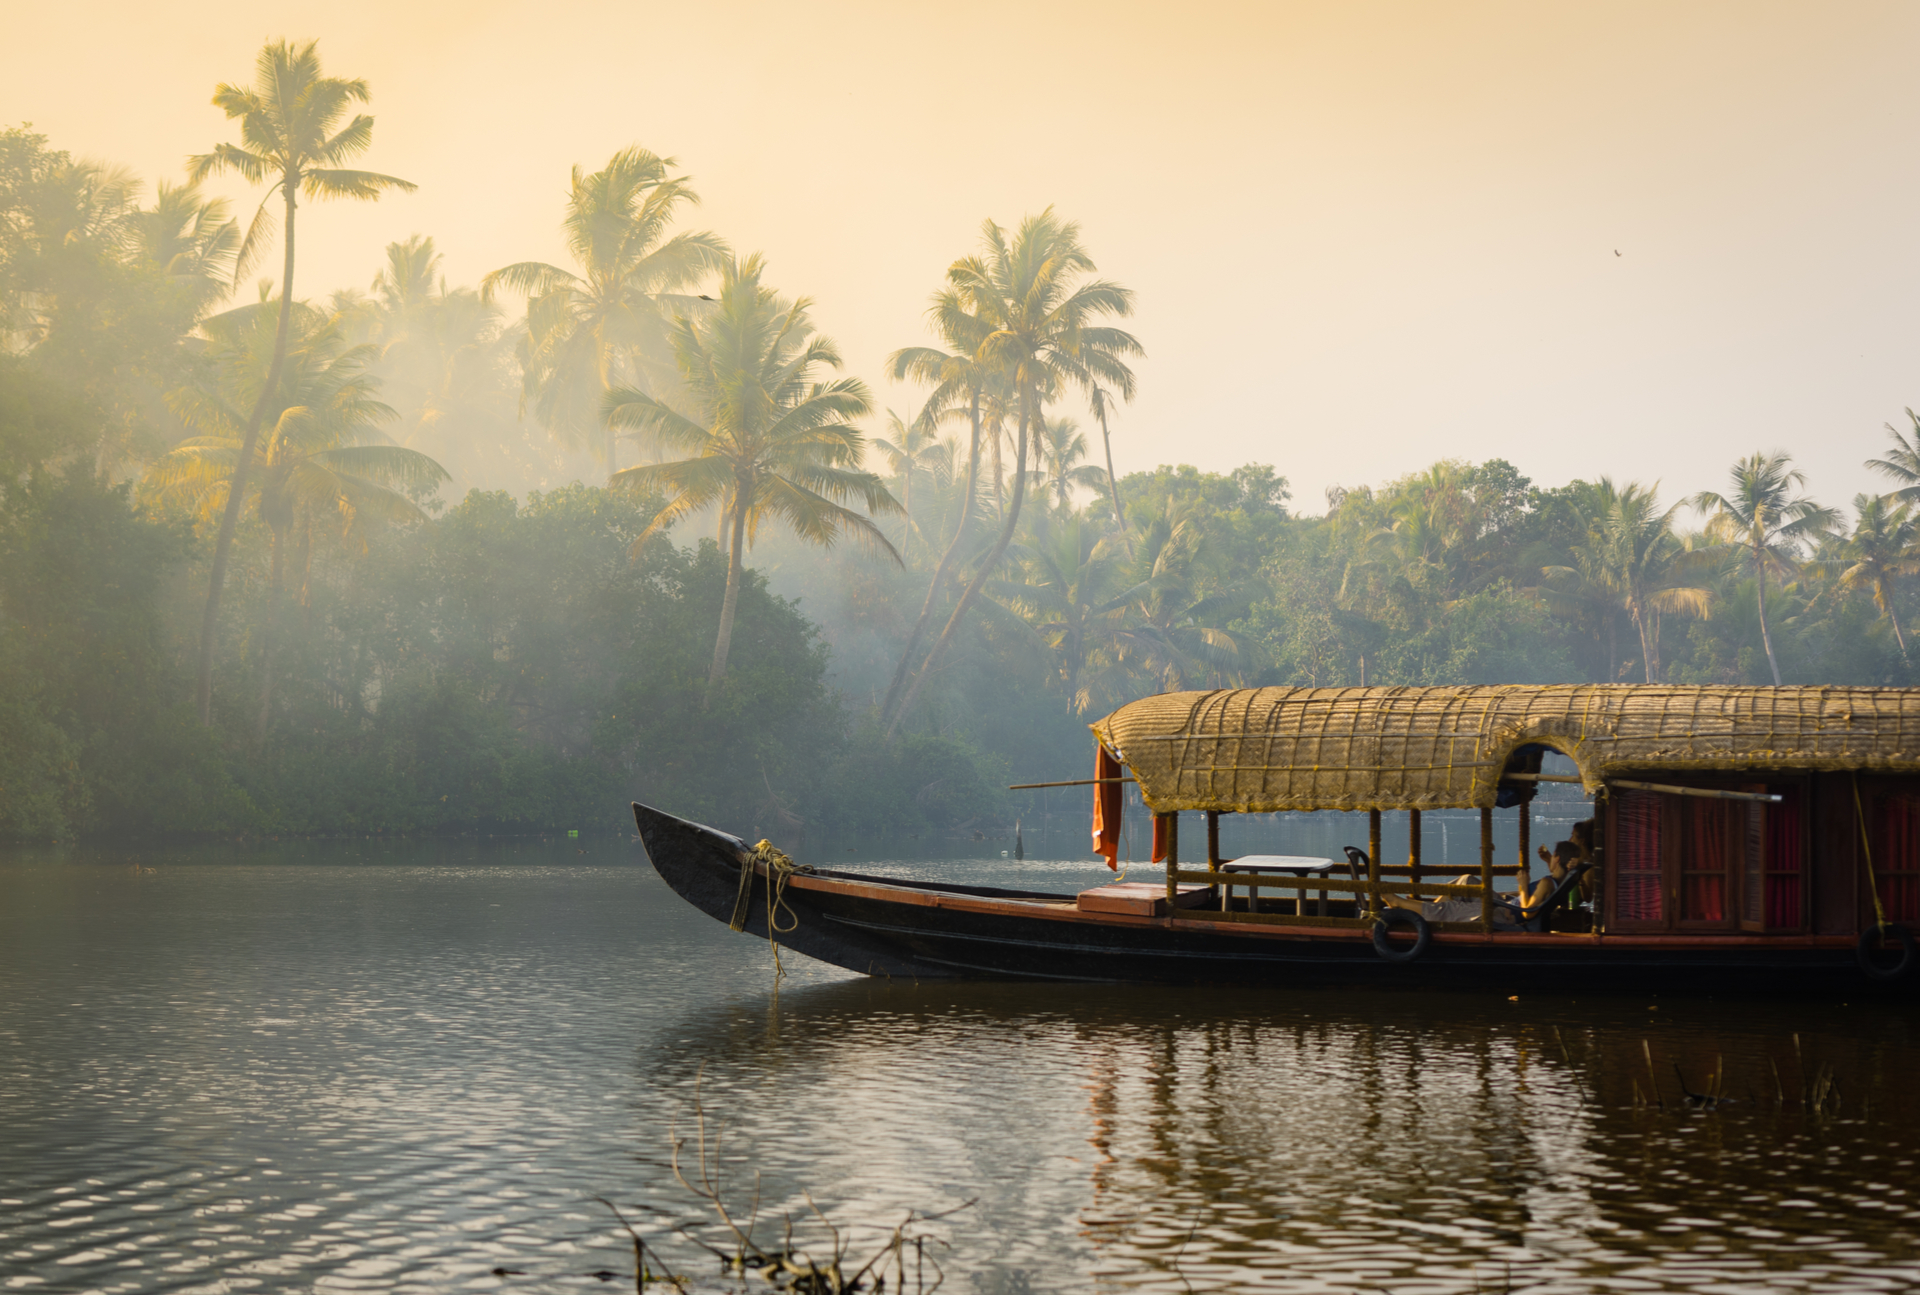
(1107, 805)
(1159, 837)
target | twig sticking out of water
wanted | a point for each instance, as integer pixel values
(640, 1274)
(1826, 1092)
(1572, 1069)
(1506, 1286)
(1713, 1098)
(1175, 1262)
(792, 1267)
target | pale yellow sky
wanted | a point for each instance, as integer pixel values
(1363, 236)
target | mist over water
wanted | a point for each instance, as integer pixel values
(347, 598)
(401, 1065)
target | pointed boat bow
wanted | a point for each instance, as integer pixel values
(701, 864)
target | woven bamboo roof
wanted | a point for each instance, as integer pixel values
(1258, 750)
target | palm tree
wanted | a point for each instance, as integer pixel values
(766, 439)
(1099, 399)
(1882, 547)
(1765, 518)
(1068, 595)
(193, 240)
(323, 456)
(63, 239)
(1168, 638)
(914, 447)
(110, 287)
(1589, 590)
(1059, 448)
(607, 326)
(959, 380)
(444, 362)
(291, 135)
(1042, 314)
(1436, 519)
(1633, 556)
(1902, 462)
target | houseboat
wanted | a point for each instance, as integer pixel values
(1741, 840)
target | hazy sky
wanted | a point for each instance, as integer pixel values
(1637, 239)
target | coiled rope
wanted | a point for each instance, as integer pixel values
(779, 868)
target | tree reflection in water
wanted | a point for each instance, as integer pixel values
(1155, 1138)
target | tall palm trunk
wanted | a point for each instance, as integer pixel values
(742, 497)
(1766, 637)
(986, 570)
(306, 576)
(999, 472)
(947, 559)
(236, 489)
(906, 539)
(272, 632)
(1113, 486)
(1885, 590)
(1646, 620)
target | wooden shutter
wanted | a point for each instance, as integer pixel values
(1634, 861)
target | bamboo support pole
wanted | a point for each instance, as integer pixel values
(1373, 863)
(1525, 872)
(1599, 874)
(1173, 856)
(1486, 869)
(1707, 793)
(1071, 782)
(1413, 844)
(1213, 837)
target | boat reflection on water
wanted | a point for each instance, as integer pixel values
(1153, 1137)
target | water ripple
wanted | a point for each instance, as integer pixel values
(401, 1069)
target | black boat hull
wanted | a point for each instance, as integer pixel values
(888, 927)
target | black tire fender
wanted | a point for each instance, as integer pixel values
(1870, 941)
(1422, 935)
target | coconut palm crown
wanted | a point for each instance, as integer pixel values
(765, 438)
(607, 326)
(292, 141)
(1763, 516)
(1031, 296)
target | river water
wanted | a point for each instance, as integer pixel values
(376, 1066)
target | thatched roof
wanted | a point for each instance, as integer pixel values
(1259, 750)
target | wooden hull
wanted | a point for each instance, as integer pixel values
(886, 927)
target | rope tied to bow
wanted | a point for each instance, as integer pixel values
(779, 868)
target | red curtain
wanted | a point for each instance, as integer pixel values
(1107, 807)
(1896, 858)
(1783, 861)
(1703, 892)
(1159, 838)
(1637, 856)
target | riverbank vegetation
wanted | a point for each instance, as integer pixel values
(429, 558)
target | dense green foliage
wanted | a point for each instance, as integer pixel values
(514, 653)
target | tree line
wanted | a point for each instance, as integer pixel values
(237, 595)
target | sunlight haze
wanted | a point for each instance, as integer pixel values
(1362, 236)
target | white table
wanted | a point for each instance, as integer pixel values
(1285, 865)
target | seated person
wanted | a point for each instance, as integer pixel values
(1563, 857)
(1583, 840)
